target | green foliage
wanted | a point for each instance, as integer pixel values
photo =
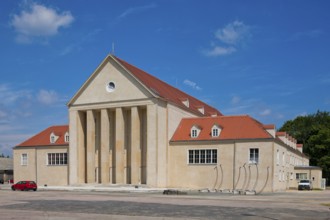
(313, 131)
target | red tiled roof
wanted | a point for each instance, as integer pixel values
(270, 126)
(233, 127)
(280, 133)
(43, 138)
(299, 145)
(167, 91)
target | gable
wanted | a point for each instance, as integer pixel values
(109, 83)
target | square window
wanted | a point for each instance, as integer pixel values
(254, 155)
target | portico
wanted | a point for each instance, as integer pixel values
(111, 145)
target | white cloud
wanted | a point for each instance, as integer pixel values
(47, 97)
(39, 21)
(233, 33)
(230, 38)
(9, 95)
(219, 51)
(306, 34)
(235, 100)
(192, 84)
(136, 10)
(265, 112)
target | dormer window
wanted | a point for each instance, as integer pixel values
(201, 109)
(53, 138)
(66, 137)
(185, 102)
(194, 132)
(215, 131)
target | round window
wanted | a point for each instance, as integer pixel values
(111, 87)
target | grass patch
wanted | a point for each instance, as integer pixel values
(326, 204)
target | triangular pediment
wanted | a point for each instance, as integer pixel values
(110, 82)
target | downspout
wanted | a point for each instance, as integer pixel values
(36, 163)
(221, 177)
(273, 166)
(216, 178)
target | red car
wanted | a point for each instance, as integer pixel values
(25, 185)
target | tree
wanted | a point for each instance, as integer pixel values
(313, 131)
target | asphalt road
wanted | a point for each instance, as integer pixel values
(113, 205)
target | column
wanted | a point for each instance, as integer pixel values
(90, 147)
(73, 148)
(81, 132)
(152, 160)
(119, 148)
(135, 146)
(105, 143)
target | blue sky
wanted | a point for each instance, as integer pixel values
(268, 59)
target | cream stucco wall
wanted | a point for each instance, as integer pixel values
(37, 168)
(232, 171)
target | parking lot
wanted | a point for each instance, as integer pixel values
(50, 204)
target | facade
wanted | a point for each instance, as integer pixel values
(233, 153)
(128, 127)
(44, 157)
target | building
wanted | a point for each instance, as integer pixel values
(128, 127)
(6, 169)
(44, 157)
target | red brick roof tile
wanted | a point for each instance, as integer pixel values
(43, 138)
(167, 91)
(233, 127)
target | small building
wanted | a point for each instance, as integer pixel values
(44, 157)
(312, 173)
(6, 169)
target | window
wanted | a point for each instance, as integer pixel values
(53, 138)
(193, 133)
(254, 155)
(208, 156)
(66, 137)
(24, 159)
(215, 132)
(283, 159)
(57, 159)
(278, 157)
(301, 176)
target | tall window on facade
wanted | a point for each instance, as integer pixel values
(208, 156)
(24, 159)
(57, 159)
(278, 157)
(254, 155)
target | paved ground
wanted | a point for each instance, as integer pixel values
(77, 204)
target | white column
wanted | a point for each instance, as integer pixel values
(90, 147)
(119, 148)
(135, 146)
(152, 145)
(105, 143)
